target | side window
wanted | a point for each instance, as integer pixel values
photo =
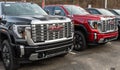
(62, 11)
(93, 11)
(50, 9)
(115, 13)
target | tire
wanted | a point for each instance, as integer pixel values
(79, 41)
(7, 56)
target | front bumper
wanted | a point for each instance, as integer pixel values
(102, 38)
(39, 52)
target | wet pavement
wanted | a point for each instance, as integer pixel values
(102, 57)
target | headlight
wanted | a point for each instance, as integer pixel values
(19, 30)
(94, 24)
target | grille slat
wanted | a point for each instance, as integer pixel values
(41, 32)
(108, 25)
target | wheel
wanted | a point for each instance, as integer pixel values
(79, 41)
(7, 56)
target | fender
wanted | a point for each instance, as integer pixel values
(4, 31)
(9, 38)
(80, 27)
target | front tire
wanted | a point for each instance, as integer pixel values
(79, 41)
(7, 56)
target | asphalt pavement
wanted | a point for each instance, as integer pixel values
(102, 57)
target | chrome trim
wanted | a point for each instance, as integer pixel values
(50, 21)
(107, 20)
(31, 42)
(42, 33)
(22, 51)
(95, 36)
(28, 36)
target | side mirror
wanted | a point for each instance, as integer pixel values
(3, 21)
(57, 12)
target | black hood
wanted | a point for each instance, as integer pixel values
(27, 19)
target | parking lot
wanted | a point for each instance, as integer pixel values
(104, 57)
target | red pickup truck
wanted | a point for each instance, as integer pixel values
(89, 29)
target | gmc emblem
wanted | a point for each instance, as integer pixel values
(55, 28)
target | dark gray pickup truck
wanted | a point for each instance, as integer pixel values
(27, 33)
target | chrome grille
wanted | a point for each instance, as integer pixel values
(118, 22)
(108, 25)
(41, 32)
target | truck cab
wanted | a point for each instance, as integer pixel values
(89, 29)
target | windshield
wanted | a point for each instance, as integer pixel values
(75, 10)
(118, 11)
(105, 12)
(16, 9)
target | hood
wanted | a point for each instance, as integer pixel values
(92, 17)
(105, 17)
(28, 19)
(84, 18)
(88, 17)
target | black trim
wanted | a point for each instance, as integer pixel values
(6, 33)
(49, 49)
(83, 29)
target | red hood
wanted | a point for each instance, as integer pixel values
(104, 16)
(86, 17)
(83, 18)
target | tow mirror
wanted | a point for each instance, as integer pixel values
(57, 12)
